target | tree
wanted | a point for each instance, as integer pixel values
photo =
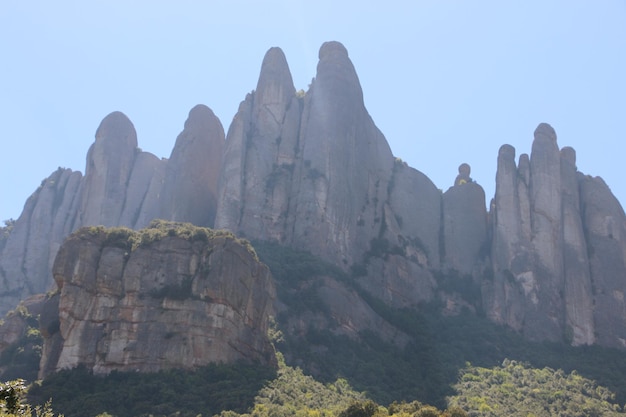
(12, 404)
(365, 408)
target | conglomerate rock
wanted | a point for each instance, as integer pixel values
(170, 296)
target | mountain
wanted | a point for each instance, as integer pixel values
(311, 171)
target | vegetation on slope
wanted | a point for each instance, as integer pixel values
(20, 360)
(331, 375)
(130, 239)
(515, 389)
(12, 402)
(428, 367)
(205, 391)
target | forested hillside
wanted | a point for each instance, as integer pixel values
(463, 361)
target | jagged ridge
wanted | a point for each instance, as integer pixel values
(314, 172)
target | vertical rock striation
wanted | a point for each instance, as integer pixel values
(48, 217)
(190, 185)
(604, 224)
(260, 156)
(543, 278)
(109, 165)
(122, 186)
(312, 170)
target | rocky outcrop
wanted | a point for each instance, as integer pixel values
(604, 225)
(190, 185)
(549, 281)
(109, 165)
(529, 278)
(311, 170)
(122, 186)
(170, 296)
(464, 227)
(577, 292)
(260, 156)
(143, 192)
(48, 217)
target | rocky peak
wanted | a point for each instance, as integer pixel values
(464, 174)
(312, 171)
(348, 163)
(116, 132)
(190, 185)
(542, 277)
(109, 165)
(275, 85)
(336, 78)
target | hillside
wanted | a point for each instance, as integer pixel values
(370, 273)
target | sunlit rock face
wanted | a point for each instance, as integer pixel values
(174, 301)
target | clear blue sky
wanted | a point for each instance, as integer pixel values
(446, 81)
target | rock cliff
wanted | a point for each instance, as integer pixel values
(549, 280)
(170, 296)
(311, 170)
(122, 186)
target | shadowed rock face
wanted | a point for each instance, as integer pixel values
(605, 231)
(550, 282)
(48, 217)
(464, 227)
(109, 165)
(260, 156)
(190, 184)
(173, 302)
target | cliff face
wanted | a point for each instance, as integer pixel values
(164, 297)
(550, 280)
(28, 254)
(312, 171)
(122, 186)
(306, 170)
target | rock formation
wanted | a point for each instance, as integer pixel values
(464, 226)
(605, 232)
(48, 217)
(311, 170)
(314, 171)
(549, 281)
(122, 186)
(170, 296)
(190, 184)
(109, 165)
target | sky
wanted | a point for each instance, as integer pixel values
(446, 82)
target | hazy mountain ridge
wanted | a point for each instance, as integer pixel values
(313, 172)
